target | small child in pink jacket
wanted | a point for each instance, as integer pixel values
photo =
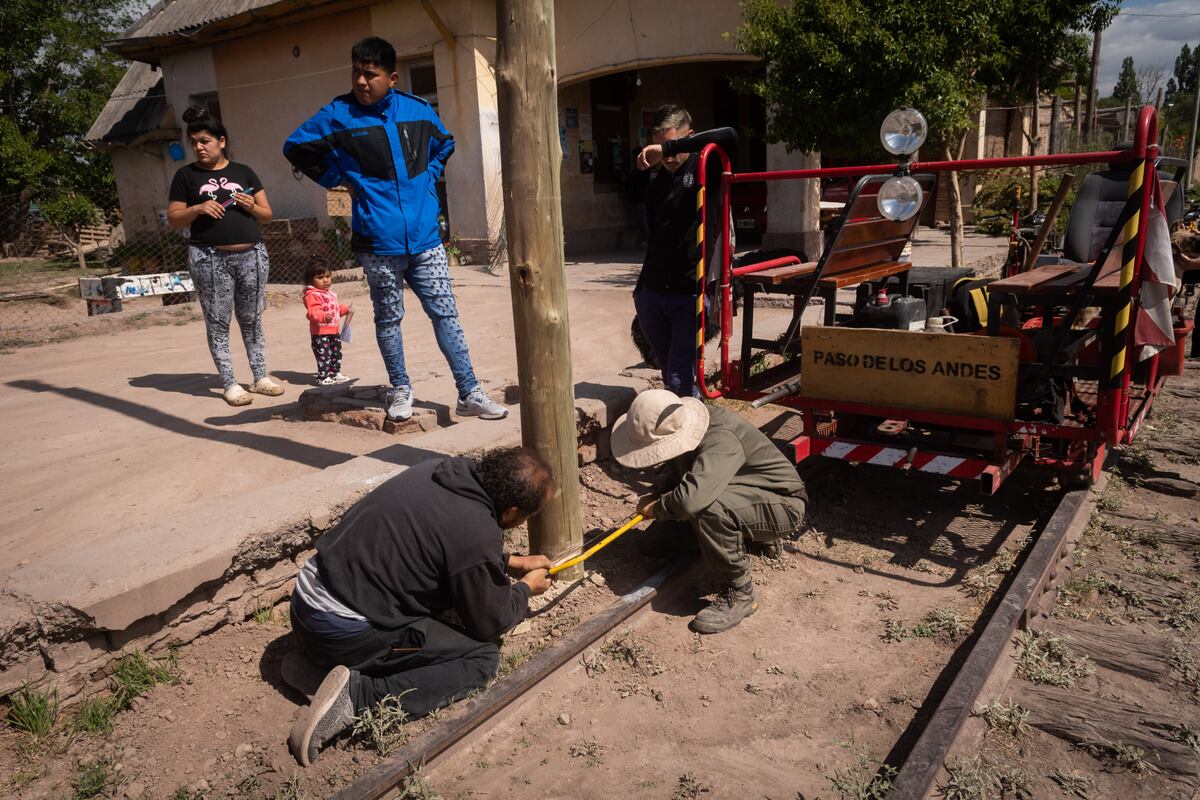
(325, 315)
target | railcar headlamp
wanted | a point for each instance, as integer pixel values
(899, 198)
(903, 131)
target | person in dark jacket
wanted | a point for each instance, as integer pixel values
(366, 606)
(730, 484)
(666, 292)
(390, 148)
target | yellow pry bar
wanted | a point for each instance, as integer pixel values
(591, 551)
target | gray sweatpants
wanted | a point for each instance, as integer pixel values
(228, 284)
(742, 513)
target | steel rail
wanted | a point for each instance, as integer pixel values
(1038, 574)
(465, 717)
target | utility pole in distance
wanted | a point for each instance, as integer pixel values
(531, 157)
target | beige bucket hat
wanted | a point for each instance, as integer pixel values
(659, 426)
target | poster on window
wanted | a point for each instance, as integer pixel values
(587, 156)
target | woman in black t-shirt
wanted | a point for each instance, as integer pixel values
(223, 203)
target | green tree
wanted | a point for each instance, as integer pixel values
(834, 68)
(1126, 89)
(54, 80)
(1183, 79)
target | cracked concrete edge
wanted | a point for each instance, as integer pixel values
(73, 639)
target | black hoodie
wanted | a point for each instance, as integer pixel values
(424, 542)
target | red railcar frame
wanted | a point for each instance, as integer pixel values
(1079, 449)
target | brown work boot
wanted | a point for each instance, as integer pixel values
(730, 607)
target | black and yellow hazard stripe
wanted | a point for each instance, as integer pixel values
(1118, 330)
(699, 273)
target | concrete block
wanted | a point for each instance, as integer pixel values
(31, 670)
(138, 633)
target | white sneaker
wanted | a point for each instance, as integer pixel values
(340, 378)
(478, 404)
(237, 396)
(399, 403)
(329, 380)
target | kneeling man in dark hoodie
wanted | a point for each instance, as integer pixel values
(428, 541)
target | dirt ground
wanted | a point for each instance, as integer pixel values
(857, 623)
(1127, 726)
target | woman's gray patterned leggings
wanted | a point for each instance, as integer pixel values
(232, 283)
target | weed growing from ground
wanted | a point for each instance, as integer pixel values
(1113, 498)
(689, 787)
(91, 780)
(588, 749)
(1186, 734)
(628, 648)
(382, 727)
(986, 578)
(515, 657)
(1129, 758)
(1184, 612)
(1007, 718)
(33, 710)
(865, 779)
(968, 779)
(263, 613)
(894, 631)
(290, 790)
(95, 715)
(138, 673)
(1045, 658)
(1072, 783)
(414, 787)
(886, 601)
(944, 624)
(1183, 662)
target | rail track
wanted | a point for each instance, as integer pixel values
(1026, 594)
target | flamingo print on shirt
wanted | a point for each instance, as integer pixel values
(212, 188)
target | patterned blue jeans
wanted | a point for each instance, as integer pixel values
(428, 275)
(230, 284)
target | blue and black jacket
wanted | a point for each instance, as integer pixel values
(391, 155)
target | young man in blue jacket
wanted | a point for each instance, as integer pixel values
(390, 148)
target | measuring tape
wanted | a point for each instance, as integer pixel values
(627, 525)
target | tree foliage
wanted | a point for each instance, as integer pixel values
(1127, 83)
(54, 80)
(836, 67)
(1187, 68)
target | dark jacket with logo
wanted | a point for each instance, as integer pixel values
(672, 250)
(422, 543)
(391, 155)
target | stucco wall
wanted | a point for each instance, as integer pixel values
(267, 91)
(143, 177)
(598, 38)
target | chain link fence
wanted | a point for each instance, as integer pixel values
(69, 269)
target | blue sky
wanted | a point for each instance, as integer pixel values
(1151, 40)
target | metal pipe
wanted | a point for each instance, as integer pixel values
(790, 387)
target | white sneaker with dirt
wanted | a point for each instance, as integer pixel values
(328, 380)
(331, 712)
(237, 396)
(399, 403)
(340, 378)
(266, 386)
(478, 404)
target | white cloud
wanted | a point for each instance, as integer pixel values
(1151, 40)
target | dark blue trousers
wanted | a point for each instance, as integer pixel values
(669, 323)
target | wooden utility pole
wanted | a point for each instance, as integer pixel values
(1089, 126)
(531, 156)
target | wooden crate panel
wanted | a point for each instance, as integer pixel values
(951, 373)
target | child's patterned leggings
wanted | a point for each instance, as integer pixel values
(327, 348)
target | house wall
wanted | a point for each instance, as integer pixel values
(143, 177)
(267, 90)
(599, 38)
